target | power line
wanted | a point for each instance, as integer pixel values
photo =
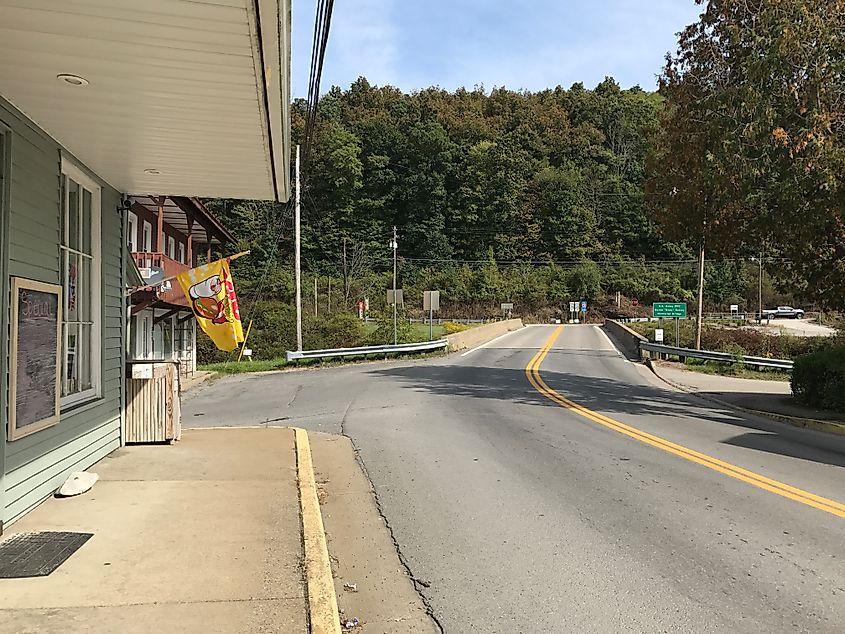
(322, 24)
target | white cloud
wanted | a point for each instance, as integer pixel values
(363, 40)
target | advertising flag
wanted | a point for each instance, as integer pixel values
(211, 295)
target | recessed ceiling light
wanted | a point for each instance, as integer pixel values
(152, 172)
(73, 80)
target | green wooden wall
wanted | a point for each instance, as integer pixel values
(34, 466)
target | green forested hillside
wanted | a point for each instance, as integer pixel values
(497, 196)
(550, 176)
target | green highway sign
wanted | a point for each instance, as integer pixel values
(670, 309)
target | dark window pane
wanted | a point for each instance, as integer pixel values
(83, 290)
(84, 360)
(86, 222)
(72, 214)
(62, 218)
(72, 290)
(71, 370)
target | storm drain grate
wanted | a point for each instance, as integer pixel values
(38, 554)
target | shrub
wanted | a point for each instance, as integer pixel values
(818, 379)
(450, 328)
(341, 330)
(383, 334)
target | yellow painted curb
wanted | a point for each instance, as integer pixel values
(322, 602)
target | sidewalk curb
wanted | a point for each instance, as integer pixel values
(322, 602)
(795, 421)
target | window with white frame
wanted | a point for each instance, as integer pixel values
(143, 328)
(132, 232)
(80, 262)
(148, 237)
(182, 252)
(171, 248)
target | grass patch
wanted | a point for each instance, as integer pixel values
(419, 332)
(238, 367)
(736, 370)
(270, 365)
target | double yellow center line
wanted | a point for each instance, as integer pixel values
(532, 371)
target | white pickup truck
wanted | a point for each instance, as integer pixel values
(786, 312)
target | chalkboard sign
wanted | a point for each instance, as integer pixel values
(35, 357)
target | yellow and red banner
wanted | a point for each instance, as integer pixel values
(211, 295)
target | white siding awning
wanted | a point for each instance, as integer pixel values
(183, 97)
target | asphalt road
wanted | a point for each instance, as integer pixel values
(528, 514)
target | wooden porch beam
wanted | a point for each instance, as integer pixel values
(190, 240)
(165, 316)
(137, 308)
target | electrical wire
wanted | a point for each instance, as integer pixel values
(322, 25)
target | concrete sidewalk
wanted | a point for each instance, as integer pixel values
(201, 536)
(772, 397)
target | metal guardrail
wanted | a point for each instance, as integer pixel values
(363, 351)
(743, 316)
(442, 320)
(721, 357)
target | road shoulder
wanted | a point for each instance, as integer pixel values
(371, 583)
(762, 398)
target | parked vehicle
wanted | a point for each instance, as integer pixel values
(785, 312)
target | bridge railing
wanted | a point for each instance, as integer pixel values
(364, 351)
(720, 357)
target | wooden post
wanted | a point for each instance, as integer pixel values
(208, 252)
(160, 234)
(700, 316)
(190, 249)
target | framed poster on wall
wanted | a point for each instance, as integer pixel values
(35, 357)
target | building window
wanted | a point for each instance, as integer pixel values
(148, 237)
(171, 248)
(132, 232)
(182, 252)
(141, 335)
(164, 337)
(80, 253)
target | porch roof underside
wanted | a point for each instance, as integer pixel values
(188, 98)
(178, 212)
(145, 297)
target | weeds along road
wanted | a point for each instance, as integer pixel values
(545, 484)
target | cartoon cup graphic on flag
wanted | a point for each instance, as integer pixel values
(211, 294)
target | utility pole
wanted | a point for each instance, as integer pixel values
(760, 291)
(345, 276)
(700, 296)
(395, 246)
(297, 261)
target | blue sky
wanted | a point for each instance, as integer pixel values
(529, 44)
